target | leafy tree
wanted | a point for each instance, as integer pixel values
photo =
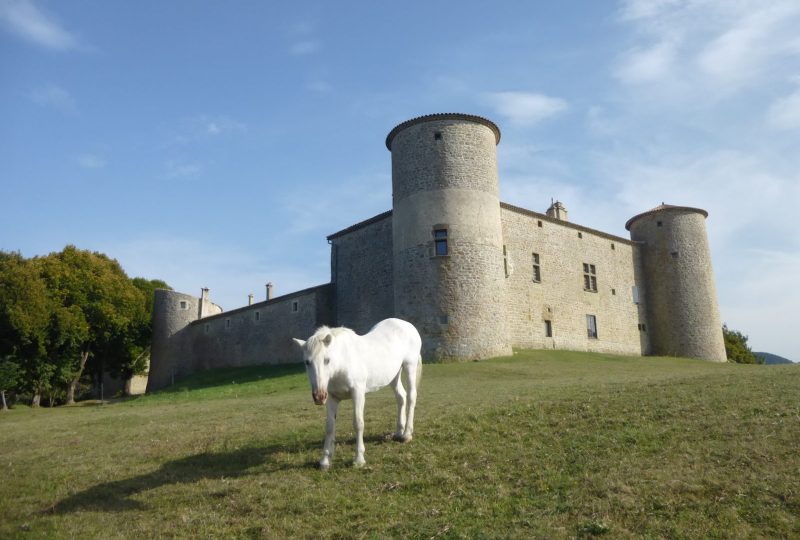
(25, 315)
(736, 347)
(72, 313)
(100, 310)
(9, 377)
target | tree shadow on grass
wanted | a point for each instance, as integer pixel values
(117, 496)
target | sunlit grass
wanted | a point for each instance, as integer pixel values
(542, 444)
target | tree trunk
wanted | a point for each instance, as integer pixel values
(3, 395)
(37, 397)
(74, 383)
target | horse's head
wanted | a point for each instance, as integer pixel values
(316, 355)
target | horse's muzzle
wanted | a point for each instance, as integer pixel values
(320, 397)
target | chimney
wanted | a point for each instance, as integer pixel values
(269, 291)
(250, 299)
(203, 304)
(557, 210)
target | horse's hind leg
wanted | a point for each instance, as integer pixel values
(412, 371)
(400, 395)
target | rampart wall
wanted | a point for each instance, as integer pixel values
(252, 335)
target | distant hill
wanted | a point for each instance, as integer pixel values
(770, 358)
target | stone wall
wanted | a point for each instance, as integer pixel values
(362, 273)
(559, 297)
(252, 335)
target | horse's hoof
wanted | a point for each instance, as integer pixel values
(359, 463)
(324, 466)
(402, 438)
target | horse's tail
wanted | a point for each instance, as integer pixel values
(419, 370)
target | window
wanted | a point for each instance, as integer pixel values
(591, 326)
(659, 224)
(437, 136)
(440, 242)
(537, 271)
(635, 294)
(258, 315)
(580, 235)
(539, 223)
(614, 291)
(183, 304)
(548, 328)
(589, 278)
(642, 327)
(505, 261)
(294, 306)
(206, 328)
(613, 246)
(227, 323)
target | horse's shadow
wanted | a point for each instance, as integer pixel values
(117, 495)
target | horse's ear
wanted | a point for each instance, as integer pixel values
(300, 342)
(328, 339)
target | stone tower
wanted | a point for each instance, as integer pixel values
(172, 312)
(680, 294)
(447, 235)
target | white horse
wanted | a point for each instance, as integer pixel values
(341, 364)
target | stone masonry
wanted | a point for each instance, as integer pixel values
(476, 276)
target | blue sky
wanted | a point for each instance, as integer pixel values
(217, 143)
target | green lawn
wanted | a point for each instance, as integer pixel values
(543, 444)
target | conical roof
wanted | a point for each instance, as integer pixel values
(663, 207)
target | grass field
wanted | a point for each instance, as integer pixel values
(541, 444)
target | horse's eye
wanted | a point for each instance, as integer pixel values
(327, 361)
(308, 362)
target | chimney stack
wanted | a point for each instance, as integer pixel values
(250, 299)
(557, 210)
(269, 291)
(203, 304)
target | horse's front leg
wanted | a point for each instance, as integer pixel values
(358, 425)
(330, 433)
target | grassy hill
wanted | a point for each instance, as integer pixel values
(541, 444)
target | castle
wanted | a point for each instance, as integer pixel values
(475, 276)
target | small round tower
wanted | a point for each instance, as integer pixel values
(447, 235)
(172, 312)
(679, 286)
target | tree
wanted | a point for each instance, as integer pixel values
(25, 315)
(736, 347)
(100, 310)
(9, 377)
(69, 314)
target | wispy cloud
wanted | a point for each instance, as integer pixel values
(204, 127)
(303, 39)
(90, 161)
(54, 96)
(23, 18)
(525, 108)
(708, 46)
(304, 47)
(784, 113)
(182, 169)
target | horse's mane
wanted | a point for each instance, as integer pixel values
(315, 341)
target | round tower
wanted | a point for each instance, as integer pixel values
(447, 236)
(172, 312)
(679, 286)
